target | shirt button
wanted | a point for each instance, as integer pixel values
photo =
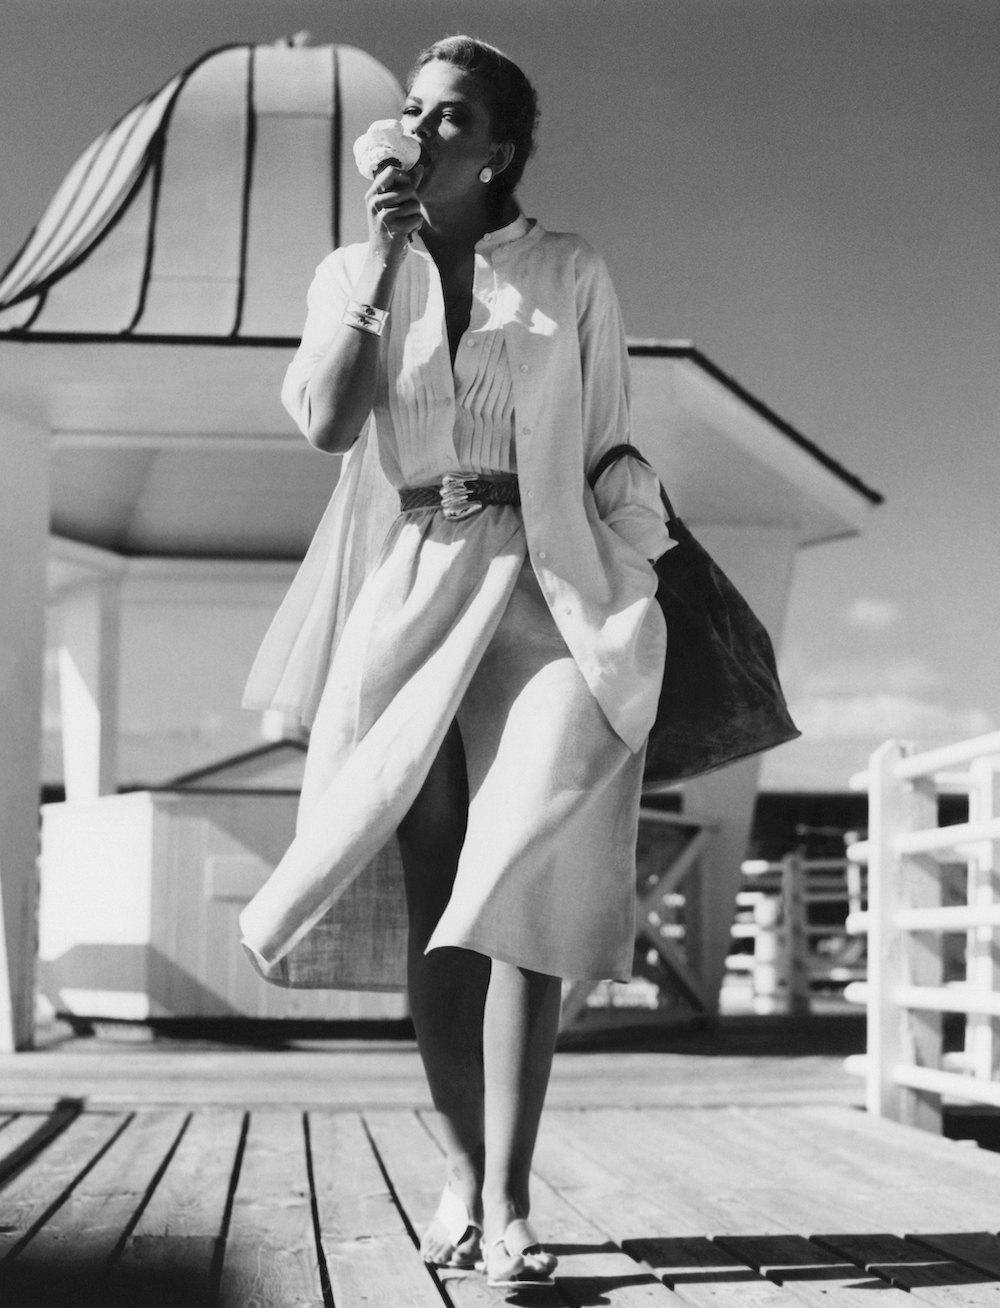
(524, 367)
(471, 344)
(541, 554)
(525, 431)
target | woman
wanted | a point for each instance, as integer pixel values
(493, 683)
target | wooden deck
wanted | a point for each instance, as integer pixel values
(700, 1179)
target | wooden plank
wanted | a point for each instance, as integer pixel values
(46, 1181)
(28, 1133)
(271, 1258)
(68, 1257)
(978, 1249)
(169, 1255)
(930, 1277)
(812, 1273)
(703, 1273)
(370, 1255)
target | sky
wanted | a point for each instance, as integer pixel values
(807, 189)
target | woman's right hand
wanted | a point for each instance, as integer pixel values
(393, 211)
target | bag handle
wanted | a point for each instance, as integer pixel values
(627, 451)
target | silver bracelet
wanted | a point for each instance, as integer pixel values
(365, 317)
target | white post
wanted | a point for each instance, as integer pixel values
(770, 957)
(897, 1037)
(24, 526)
(982, 967)
(89, 656)
(855, 879)
(793, 900)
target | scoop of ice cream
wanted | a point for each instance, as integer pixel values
(383, 141)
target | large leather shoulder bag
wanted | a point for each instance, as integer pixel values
(721, 699)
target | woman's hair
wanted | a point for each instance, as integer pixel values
(510, 98)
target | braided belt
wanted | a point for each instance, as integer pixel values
(460, 496)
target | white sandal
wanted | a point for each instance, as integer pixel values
(523, 1261)
(456, 1222)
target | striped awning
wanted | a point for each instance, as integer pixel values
(201, 213)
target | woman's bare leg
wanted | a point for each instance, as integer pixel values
(447, 987)
(521, 1023)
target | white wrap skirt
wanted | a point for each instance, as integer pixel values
(451, 624)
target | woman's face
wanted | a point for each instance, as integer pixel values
(446, 111)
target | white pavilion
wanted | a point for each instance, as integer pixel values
(144, 329)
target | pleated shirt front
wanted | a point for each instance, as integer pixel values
(446, 417)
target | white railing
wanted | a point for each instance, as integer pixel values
(931, 890)
(794, 952)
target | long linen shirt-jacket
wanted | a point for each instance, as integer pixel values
(551, 295)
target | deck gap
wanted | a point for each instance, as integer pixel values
(218, 1256)
(154, 1181)
(410, 1228)
(324, 1271)
(61, 1198)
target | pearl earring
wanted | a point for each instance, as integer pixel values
(486, 174)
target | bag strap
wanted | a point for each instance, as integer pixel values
(622, 452)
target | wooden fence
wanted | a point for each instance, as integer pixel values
(931, 890)
(794, 913)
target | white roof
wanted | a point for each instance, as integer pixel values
(148, 319)
(202, 212)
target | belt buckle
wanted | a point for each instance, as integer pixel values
(455, 497)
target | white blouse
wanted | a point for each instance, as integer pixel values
(446, 417)
(544, 308)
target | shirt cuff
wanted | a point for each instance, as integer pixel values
(628, 500)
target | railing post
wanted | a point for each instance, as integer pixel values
(854, 877)
(770, 975)
(982, 965)
(897, 1036)
(796, 940)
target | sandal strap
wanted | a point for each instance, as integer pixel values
(455, 1217)
(519, 1238)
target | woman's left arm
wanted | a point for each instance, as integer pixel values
(628, 493)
